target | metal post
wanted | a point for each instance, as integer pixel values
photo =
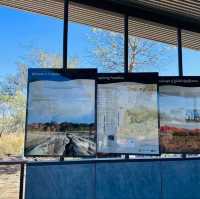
(126, 69)
(126, 44)
(65, 33)
(180, 56)
(184, 156)
(126, 156)
(21, 188)
(180, 63)
(62, 158)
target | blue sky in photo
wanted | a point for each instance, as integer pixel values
(22, 31)
(176, 109)
(58, 101)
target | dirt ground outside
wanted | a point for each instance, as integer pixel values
(9, 181)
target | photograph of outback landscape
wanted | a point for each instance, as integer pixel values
(127, 118)
(179, 119)
(61, 115)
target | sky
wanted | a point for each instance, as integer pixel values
(22, 31)
(177, 107)
(58, 101)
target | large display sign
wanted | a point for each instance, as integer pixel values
(61, 113)
(127, 115)
(180, 114)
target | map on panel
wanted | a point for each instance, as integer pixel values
(127, 119)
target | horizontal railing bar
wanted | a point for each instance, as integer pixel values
(12, 162)
(97, 160)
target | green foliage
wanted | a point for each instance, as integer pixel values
(13, 99)
(11, 144)
(12, 112)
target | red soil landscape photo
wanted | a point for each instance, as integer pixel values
(181, 140)
(179, 110)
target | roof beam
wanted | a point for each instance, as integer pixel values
(135, 9)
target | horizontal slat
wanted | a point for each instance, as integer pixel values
(186, 7)
(163, 34)
(46, 7)
(114, 22)
(153, 32)
(191, 38)
(97, 18)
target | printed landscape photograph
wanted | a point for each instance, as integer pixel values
(179, 119)
(61, 117)
(127, 118)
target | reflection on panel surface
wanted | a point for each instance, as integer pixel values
(9, 181)
(61, 114)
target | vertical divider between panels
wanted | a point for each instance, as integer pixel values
(126, 44)
(65, 33)
(65, 41)
(180, 56)
(180, 61)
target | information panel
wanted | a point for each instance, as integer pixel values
(61, 113)
(179, 114)
(127, 115)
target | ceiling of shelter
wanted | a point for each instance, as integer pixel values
(185, 7)
(188, 8)
(54, 8)
(115, 22)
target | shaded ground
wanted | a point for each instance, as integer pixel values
(9, 181)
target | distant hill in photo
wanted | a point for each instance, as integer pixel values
(179, 131)
(60, 127)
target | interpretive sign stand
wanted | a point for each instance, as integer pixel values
(179, 115)
(127, 114)
(61, 113)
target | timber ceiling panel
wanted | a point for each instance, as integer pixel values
(188, 8)
(47, 7)
(114, 22)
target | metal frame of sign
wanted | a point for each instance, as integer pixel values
(185, 81)
(146, 78)
(106, 160)
(70, 73)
